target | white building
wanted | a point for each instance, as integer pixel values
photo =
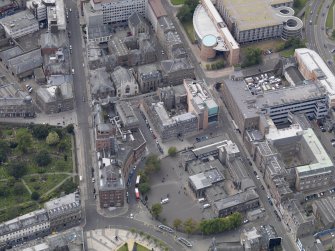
(20, 24)
(124, 81)
(56, 17)
(39, 8)
(25, 227)
(312, 67)
(99, 12)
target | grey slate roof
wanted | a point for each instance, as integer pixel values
(26, 62)
(173, 65)
(135, 19)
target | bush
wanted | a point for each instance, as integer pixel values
(52, 139)
(17, 170)
(19, 188)
(35, 195)
(70, 128)
(43, 158)
(172, 151)
(4, 151)
(40, 131)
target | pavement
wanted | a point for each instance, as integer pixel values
(112, 239)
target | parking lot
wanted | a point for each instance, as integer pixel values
(170, 183)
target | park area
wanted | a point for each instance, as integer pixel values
(36, 164)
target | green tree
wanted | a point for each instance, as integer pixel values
(52, 139)
(219, 225)
(152, 164)
(172, 151)
(253, 57)
(297, 4)
(4, 151)
(62, 146)
(19, 188)
(190, 226)
(333, 34)
(177, 223)
(40, 131)
(35, 195)
(4, 191)
(16, 169)
(184, 13)
(43, 158)
(24, 140)
(70, 128)
(144, 188)
(69, 186)
(156, 210)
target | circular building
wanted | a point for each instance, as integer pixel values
(207, 47)
(292, 26)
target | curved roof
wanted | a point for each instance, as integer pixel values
(209, 40)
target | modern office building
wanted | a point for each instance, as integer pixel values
(213, 34)
(201, 103)
(312, 67)
(249, 106)
(258, 20)
(115, 12)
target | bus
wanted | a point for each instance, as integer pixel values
(137, 194)
(137, 180)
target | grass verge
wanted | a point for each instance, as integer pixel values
(188, 27)
(177, 2)
(330, 16)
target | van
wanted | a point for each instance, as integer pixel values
(201, 200)
(206, 206)
(164, 201)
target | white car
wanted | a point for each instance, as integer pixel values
(131, 216)
(72, 71)
(93, 180)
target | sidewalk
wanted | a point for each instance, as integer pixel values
(113, 239)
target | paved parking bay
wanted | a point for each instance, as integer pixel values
(182, 203)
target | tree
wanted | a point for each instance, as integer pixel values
(43, 158)
(253, 57)
(19, 188)
(17, 169)
(152, 164)
(35, 195)
(333, 34)
(177, 223)
(62, 146)
(4, 151)
(24, 140)
(40, 131)
(144, 188)
(70, 128)
(4, 192)
(219, 225)
(190, 226)
(156, 210)
(172, 151)
(52, 139)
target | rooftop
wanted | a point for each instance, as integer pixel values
(24, 221)
(126, 114)
(10, 53)
(60, 205)
(110, 176)
(121, 75)
(53, 40)
(236, 199)
(175, 65)
(250, 105)
(48, 93)
(100, 81)
(251, 14)
(157, 7)
(323, 162)
(98, 31)
(19, 20)
(206, 179)
(25, 62)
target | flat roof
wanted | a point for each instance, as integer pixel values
(251, 14)
(18, 21)
(323, 162)
(157, 7)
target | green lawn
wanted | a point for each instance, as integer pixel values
(188, 27)
(301, 5)
(330, 16)
(39, 179)
(44, 182)
(287, 53)
(139, 248)
(177, 2)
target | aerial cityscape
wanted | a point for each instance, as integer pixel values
(158, 125)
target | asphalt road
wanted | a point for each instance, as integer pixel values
(315, 32)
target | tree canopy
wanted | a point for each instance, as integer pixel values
(253, 57)
(219, 225)
(43, 158)
(16, 169)
(4, 151)
(40, 131)
(24, 140)
(52, 139)
(152, 164)
(172, 151)
(156, 210)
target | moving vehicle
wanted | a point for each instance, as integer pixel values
(185, 242)
(165, 228)
(164, 201)
(206, 206)
(138, 178)
(137, 194)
